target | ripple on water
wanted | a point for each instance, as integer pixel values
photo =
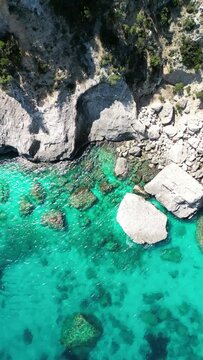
(147, 299)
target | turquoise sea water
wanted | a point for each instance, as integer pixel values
(148, 299)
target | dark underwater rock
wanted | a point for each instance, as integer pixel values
(38, 193)
(27, 336)
(158, 346)
(102, 296)
(54, 219)
(105, 187)
(81, 330)
(149, 318)
(4, 192)
(26, 206)
(110, 245)
(82, 199)
(172, 254)
(3, 215)
(199, 232)
(151, 298)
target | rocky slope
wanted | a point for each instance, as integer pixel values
(95, 79)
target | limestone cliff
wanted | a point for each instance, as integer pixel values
(72, 73)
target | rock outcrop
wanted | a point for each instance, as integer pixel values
(106, 112)
(141, 220)
(57, 130)
(179, 192)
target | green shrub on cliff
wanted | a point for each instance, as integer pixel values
(199, 95)
(192, 54)
(10, 58)
(189, 24)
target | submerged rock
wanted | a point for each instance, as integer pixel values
(4, 192)
(158, 346)
(26, 206)
(38, 193)
(149, 318)
(141, 220)
(172, 254)
(105, 187)
(199, 232)
(27, 336)
(83, 198)
(54, 219)
(178, 191)
(81, 330)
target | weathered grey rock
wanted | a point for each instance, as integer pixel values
(121, 168)
(156, 107)
(178, 152)
(58, 129)
(154, 132)
(106, 112)
(179, 192)
(141, 220)
(170, 130)
(3, 17)
(38, 136)
(167, 113)
(194, 142)
(135, 150)
(181, 76)
(194, 125)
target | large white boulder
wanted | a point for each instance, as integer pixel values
(141, 220)
(178, 191)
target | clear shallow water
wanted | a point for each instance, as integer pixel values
(149, 307)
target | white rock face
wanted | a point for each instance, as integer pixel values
(141, 220)
(179, 192)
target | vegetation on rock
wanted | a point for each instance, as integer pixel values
(192, 54)
(10, 58)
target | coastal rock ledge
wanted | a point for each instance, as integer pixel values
(178, 191)
(141, 220)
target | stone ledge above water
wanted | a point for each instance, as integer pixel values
(178, 191)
